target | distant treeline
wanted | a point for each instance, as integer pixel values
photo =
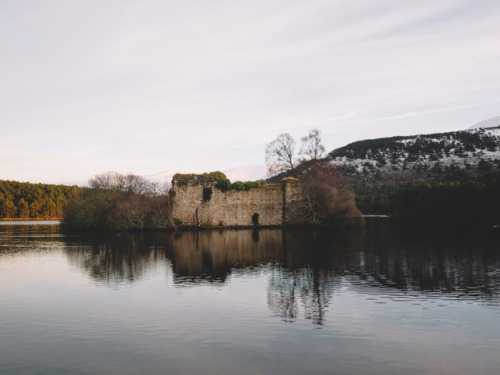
(460, 202)
(33, 201)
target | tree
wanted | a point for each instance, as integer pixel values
(119, 202)
(280, 153)
(23, 209)
(129, 183)
(311, 148)
(325, 194)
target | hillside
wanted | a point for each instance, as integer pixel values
(420, 158)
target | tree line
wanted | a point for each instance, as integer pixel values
(25, 200)
(461, 202)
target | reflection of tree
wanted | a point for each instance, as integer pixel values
(281, 295)
(115, 258)
(312, 288)
(316, 293)
(16, 238)
(29, 231)
(410, 259)
(313, 262)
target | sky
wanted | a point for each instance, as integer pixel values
(147, 86)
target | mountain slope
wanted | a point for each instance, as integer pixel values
(420, 158)
(489, 123)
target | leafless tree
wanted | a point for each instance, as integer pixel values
(280, 153)
(311, 148)
(129, 183)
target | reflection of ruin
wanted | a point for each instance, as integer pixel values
(212, 255)
(303, 267)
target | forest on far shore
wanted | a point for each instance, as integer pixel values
(25, 200)
(462, 202)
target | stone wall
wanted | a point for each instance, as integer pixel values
(198, 203)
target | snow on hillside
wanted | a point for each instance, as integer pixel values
(421, 158)
(163, 178)
(247, 173)
(490, 123)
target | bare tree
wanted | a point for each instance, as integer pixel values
(129, 183)
(280, 153)
(311, 148)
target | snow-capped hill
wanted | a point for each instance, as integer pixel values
(420, 158)
(247, 173)
(163, 178)
(490, 123)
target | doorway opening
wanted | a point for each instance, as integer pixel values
(255, 219)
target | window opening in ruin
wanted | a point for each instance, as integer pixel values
(255, 219)
(207, 194)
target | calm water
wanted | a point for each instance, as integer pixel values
(379, 301)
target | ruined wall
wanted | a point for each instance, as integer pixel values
(197, 202)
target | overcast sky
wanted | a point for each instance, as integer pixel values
(195, 85)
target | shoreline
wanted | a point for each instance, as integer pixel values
(31, 219)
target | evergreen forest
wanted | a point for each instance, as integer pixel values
(25, 200)
(472, 202)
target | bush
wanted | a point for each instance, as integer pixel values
(251, 185)
(238, 186)
(223, 184)
(216, 174)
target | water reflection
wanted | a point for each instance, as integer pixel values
(359, 288)
(306, 267)
(312, 265)
(115, 258)
(18, 238)
(434, 263)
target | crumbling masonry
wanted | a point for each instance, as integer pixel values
(198, 203)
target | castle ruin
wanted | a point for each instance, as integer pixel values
(197, 202)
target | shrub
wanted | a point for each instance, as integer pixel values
(217, 174)
(238, 186)
(223, 184)
(251, 185)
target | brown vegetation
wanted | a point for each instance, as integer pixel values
(118, 202)
(326, 198)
